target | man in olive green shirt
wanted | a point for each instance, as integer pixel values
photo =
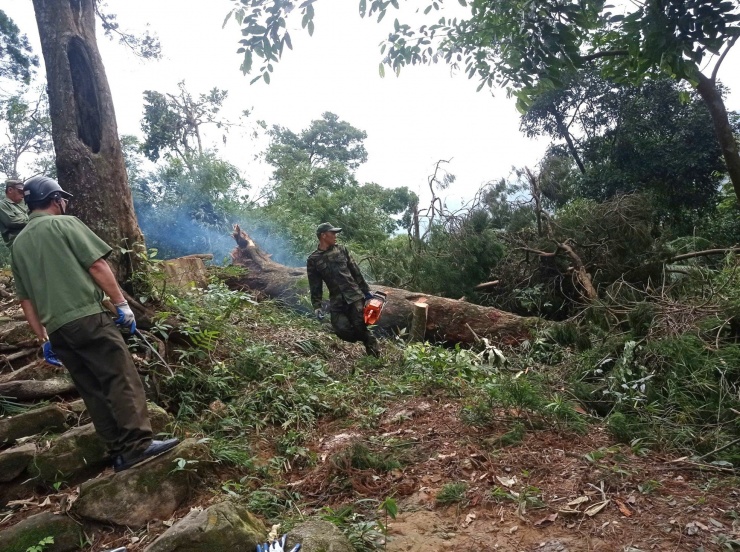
(61, 277)
(332, 264)
(13, 212)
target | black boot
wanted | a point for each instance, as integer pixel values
(372, 348)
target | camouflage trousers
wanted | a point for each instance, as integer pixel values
(349, 325)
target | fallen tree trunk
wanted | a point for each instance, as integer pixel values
(448, 320)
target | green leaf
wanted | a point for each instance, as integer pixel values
(381, 70)
(266, 76)
(363, 7)
(310, 28)
(226, 19)
(390, 507)
(463, 3)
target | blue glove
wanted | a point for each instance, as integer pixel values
(277, 546)
(126, 317)
(368, 296)
(50, 356)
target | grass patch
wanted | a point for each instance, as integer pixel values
(452, 493)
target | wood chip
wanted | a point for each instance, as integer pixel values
(622, 508)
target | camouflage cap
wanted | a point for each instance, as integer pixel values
(326, 227)
(13, 183)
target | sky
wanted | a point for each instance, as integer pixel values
(425, 115)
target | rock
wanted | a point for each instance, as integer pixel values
(81, 451)
(29, 390)
(318, 536)
(47, 418)
(78, 452)
(14, 461)
(224, 526)
(151, 490)
(158, 417)
(31, 531)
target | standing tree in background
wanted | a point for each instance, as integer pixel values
(89, 160)
(28, 131)
(530, 46)
(314, 181)
(16, 58)
(172, 122)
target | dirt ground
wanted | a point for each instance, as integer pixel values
(556, 493)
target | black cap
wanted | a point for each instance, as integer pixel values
(326, 227)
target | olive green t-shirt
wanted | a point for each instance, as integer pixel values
(13, 218)
(50, 262)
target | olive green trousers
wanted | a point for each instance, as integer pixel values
(96, 356)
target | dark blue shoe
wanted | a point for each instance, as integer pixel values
(154, 449)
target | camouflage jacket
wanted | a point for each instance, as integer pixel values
(341, 274)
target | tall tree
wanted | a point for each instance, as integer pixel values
(530, 45)
(172, 123)
(16, 58)
(89, 160)
(314, 181)
(27, 130)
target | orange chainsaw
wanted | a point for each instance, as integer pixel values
(374, 308)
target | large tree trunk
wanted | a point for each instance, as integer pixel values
(88, 151)
(448, 320)
(707, 89)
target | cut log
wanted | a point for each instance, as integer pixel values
(449, 321)
(419, 323)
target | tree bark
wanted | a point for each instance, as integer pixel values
(448, 320)
(722, 129)
(28, 390)
(89, 159)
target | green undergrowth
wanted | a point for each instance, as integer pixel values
(258, 379)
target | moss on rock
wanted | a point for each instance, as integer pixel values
(33, 530)
(77, 451)
(224, 526)
(319, 536)
(151, 490)
(46, 418)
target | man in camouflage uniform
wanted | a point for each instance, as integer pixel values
(13, 212)
(332, 264)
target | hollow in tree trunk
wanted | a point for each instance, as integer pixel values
(89, 159)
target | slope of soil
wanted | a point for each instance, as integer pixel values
(457, 486)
